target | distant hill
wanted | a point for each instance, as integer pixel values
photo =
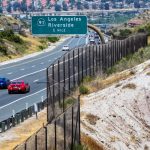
(16, 40)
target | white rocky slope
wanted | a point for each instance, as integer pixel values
(119, 116)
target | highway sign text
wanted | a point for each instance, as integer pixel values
(47, 25)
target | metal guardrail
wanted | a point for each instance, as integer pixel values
(21, 116)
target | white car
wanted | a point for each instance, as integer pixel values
(65, 48)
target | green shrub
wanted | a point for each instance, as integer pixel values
(79, 147)
(41, 47)
(16, 39)
(67, 102)
(83, 90)
(9, 35)
(3, 49)
(87, 79)
(125, 32)
(53, 39)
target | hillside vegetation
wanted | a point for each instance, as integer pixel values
(125, 30)
(16, 44)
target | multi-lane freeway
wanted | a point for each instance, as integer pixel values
(32, 70)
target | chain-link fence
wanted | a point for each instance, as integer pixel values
(63, 133)
(68, 71)
(63, 111)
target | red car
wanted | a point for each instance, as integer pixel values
(18, 86)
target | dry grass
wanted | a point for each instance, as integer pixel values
(129, 86)
(148, 39)
(92, 119)
(90, 143)
(101, 83)
(34, 43)
(33, 46)
(148, 74)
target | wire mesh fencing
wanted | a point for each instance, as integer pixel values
(63, 110)
(68, 71)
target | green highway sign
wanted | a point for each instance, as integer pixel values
(47, 25)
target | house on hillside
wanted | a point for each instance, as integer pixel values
(135, 22)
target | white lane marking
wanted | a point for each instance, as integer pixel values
(41, 63)
(22, 98)
(9, 73)
(79, 41)
(28, 74)
(22, 69)
(33, 66)
(36, 80)
(32, 59)
(70, 41)
(66, 60)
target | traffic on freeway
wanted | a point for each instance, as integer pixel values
(29, 76)
(32, 71)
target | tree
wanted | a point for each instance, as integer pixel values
(39, 5)
(94, 6)
(1, 9)
(65, 7)
(9, 7)
(72, 3)
(129, 1)
(106, 6)
(57, 7)
(1, 6)
(23, 6)
(86, 5)
(48, 4)
(136, 4)
(16, 5)
(79, 5)
(31, 6)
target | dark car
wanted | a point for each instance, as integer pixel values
(4, 82)
(18, 87)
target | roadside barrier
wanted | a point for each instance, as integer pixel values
(21, 116)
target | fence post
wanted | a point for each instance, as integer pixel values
(72, 130)
(73, 71)
(93, 63)
(8, 123)
(25, 145)
(90, 60)
(79, 119)
(55, 136)
(109, 55)
(82, 64)
(69, 72)
(78, 67)
(59, 98)
(47, 96)
(35, 141)
(113, 53)
(64, 131)
(45, 138)
(64, 83)
(53, 85)
(106, 55)
(97, 58)
(3, 126)
(100, 58)
(86, 57)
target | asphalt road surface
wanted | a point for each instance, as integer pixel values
(33, 71)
